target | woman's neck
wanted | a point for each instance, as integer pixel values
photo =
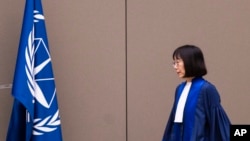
(189, 79)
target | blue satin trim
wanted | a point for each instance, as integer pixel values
(190, 106)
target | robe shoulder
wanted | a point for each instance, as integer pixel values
(215, 115)
(210, 94)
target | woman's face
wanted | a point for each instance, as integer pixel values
(178, 65)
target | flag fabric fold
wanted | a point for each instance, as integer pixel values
(35, 114)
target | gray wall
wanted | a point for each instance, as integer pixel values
(109, 85)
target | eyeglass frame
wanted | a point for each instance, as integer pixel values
(177, 62)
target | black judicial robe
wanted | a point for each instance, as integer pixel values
(204, 119)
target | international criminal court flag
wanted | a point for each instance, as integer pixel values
(35, 114)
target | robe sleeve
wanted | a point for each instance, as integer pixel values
(217, 119)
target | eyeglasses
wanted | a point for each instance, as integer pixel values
(177, 63)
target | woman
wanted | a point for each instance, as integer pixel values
(197, 114)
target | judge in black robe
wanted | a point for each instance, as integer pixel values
(204, 119)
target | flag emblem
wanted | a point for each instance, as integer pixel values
(49, 123)
(32, 71)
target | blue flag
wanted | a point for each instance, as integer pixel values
(35, 113)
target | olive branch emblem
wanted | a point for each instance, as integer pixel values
(47, 124)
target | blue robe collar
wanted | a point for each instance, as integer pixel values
(190, 106)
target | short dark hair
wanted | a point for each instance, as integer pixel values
(193, 59)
